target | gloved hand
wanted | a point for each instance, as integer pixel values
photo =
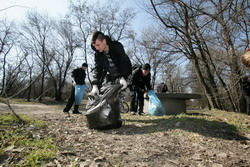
(124, 83)
(94, 91)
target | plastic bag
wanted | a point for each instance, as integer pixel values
(105, 110)
(155, 107)
(79, 93)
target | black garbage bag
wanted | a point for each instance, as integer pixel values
(104, 111)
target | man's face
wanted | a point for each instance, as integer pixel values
(145, 72)
(84, 67)
(100, 45)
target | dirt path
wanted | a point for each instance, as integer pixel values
(143, 141)
(32, 109)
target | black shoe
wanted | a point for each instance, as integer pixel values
(142, 113)
(65, 110)
(76, 112)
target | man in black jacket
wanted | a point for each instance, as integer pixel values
(112, 65)
(140, 80)
(162, 88)
(78, 89)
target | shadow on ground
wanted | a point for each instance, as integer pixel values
(208, 128)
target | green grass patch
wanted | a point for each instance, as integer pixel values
(13, 136)
(10, 119)
(46, 143)
(38, 157)
(1, 152)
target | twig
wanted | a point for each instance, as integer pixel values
(13, 7)
(42, 94)
(7, 102)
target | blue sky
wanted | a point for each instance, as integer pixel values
(57, 8)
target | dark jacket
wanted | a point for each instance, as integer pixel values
(119, 58)
(140, 82)
(246, 87)
(79, 75)
(162, 88)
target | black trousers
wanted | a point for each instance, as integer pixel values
(137, 99)
(248, 104)
(71, 99)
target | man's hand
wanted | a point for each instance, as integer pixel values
(73, 81)
(94, 91)
(124, 83)
(142, 90)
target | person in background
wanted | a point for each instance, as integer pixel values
(246, 90)
(140, 81)
(162, 88)
(78, 89)
(245, 58)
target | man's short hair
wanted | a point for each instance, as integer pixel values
(146, 67)
(97, 35)
(84, 65)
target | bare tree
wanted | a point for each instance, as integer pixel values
(228, 30)
(150, 50)
(108, 18)
(30, 66)
(193, 32)
(15, 75)
(36, 33)
(80, 18)
(63, 52)
(7, 36)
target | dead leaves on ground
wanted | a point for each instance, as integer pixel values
(135, 145)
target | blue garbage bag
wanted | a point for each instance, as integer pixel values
(155, 107)
(79, 93)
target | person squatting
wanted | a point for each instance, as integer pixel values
(140, 82)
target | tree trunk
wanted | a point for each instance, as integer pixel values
(42, 84)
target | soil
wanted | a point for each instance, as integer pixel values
(142, 141)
